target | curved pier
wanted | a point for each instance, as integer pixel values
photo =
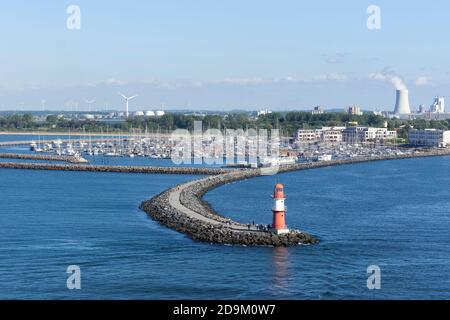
(183, 209)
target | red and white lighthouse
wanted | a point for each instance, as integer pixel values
(279, 210)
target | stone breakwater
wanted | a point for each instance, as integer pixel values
(118, 169)
(48, 157)
(214, 228)
(218, 229)
(161, 209)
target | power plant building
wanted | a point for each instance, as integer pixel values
(438, 106)
(402, 103)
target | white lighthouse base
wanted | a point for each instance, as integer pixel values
(280, 231)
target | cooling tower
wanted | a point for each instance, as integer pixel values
(402, 103)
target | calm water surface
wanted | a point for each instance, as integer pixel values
(393, 214)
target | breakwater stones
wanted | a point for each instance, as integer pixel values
(118, 169)
(159, 209)
(48, 157)
(226, 231)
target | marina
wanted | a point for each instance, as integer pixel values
(174, 148)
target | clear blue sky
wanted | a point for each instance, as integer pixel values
(222, 54)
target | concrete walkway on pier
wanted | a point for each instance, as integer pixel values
(175, 202)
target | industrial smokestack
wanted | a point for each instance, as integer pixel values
(402, 103)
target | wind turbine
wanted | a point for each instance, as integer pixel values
(90, 102)
(127, 99)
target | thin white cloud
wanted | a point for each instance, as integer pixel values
(110, 82)
(422, 81)
(290, 79)
(332, 77)
(245, 81)
(115, 82)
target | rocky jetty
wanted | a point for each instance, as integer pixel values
(159, 209)
(223, 230)
(47, 157)
(118, 169)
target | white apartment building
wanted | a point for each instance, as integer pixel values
(331, 136)
(365, 134)
(355, 134)
(308, 135)
(326, 134)
(429, 138)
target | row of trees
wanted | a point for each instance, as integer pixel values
(288, 122)
(17, 121)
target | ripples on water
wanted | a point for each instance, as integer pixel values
(394, 214)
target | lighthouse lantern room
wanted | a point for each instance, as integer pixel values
(279, 210)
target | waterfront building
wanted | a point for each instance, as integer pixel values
(332, 135)
(429, 137)
(354, 134)
(307, 135)
(326, 134)
(359, 134)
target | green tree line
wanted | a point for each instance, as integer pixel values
(287, 122)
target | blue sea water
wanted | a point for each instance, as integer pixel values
(394, 214)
